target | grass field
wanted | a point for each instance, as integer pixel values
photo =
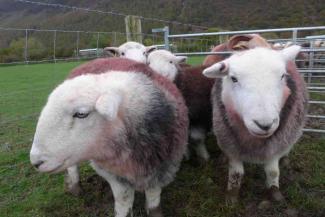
(198, 190)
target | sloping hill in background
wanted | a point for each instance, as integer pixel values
(215, 14)
(227, 14)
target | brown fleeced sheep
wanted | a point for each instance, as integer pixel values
(195, 88)
(259, 108)
(130, 122)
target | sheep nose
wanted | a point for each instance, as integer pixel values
(38, 164)
(263, 126)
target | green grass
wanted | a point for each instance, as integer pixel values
(195, 60)
(198, 190)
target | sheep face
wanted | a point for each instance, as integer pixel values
(76, 113)
(165, 63)
(131, 50)
(254, 88)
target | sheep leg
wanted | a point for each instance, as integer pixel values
(71, 180)
(122, 192)
(285, 162)
(153, 202)
(198, 136)
(235, 175)
(124, 197)
(272, 172)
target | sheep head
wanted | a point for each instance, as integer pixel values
(68, 130)
(165, 63)
(131, 50)
(254, 86)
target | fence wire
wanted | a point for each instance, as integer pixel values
(20, 46)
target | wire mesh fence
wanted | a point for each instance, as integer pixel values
(37, 45)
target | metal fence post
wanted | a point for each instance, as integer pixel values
(311, 62)
(114, 38)
(97, 44)
(26, 46)
(166, 39)
(294, 36)
(54, 47)
(165, 30)
(78, 44)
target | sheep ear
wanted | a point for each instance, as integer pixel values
(111, 51)
(149, 49)
(181, 59)
(291, 52)
(108, 105)
(216, 70)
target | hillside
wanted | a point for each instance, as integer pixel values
(230, 15)
(227, 14)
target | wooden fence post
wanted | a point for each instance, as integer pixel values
(133, 28)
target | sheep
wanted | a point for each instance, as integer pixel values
(130, 122)
(131, 50)
(165, 63)
(259, 109)
(195, 89)
(97, 66)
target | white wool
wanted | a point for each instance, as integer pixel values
(165, 63)
(62, 140)
(254, 85)
(131, 50)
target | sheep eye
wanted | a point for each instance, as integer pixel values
(122, 53)
(234, 79)
(80, 115)
(171, 62)
(282, 76)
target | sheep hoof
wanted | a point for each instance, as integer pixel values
(232, 197)
(285, 162)
(264, 205)
(155, 212)
(275, 194)
(74, 189)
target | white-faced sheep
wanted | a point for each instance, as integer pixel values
(195, 88)
(259, 108)
(131, 50)
(130, 122)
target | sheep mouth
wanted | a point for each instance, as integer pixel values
(261, 135)
(59, 168)
(56, 169)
